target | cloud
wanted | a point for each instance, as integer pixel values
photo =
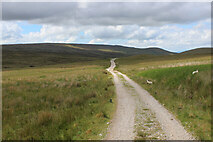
(111, 32)
(93, 41)
(170, 37)
(175, 38)
(48, 33)
(143, 14)
(172, 26)
(11, 32)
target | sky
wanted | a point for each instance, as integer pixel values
(174, 26)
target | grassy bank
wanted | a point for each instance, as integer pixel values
(57, 102)
(187, 96)
(135, 64)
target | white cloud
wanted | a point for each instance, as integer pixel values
(170, 37)
(11, 32)
(111, 32)
(95, 41)
(48, 33)
(174, 38)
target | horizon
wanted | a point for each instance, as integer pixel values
(139, 25)
(109, 45)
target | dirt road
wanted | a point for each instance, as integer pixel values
(132, 101)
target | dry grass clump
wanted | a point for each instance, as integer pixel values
(45, 118)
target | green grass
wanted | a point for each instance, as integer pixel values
(187, 96)
(51, 91)
(137, 63)
(57, 103)
(173, 77)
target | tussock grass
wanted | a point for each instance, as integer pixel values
(57, 103)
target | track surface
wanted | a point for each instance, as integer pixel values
(122, 126)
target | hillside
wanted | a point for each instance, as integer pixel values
(92, 50)
(198, 51)
(125, 50)
(40, 54)
(33, 55)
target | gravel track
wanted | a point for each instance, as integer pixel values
(122, 126)
(123, 122)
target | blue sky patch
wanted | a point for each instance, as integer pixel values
(27, 28)
(186, 26)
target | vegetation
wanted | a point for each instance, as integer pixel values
(185, 95)
(198, 51)
(62, 91)
(36, 55)
(57, 103)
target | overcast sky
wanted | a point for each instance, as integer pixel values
(172, 26)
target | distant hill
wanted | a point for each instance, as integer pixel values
(206, 50)
(32, 55)
(91, 50)
(125, 51)
(157, 51)
(40, 54)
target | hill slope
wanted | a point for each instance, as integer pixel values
(40, 54)
(30, 55)
(198, 51)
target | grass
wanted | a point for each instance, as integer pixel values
(76, 47)
(20, 60)
(57, 103)
(55, 92)
(62, 91)
(187, 96)
(135, 64)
